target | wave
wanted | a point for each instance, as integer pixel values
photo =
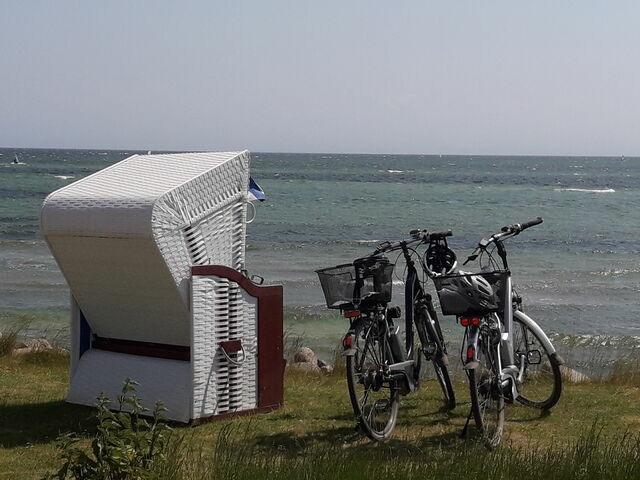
(628, 342)
(395, 171)
(64, 177)
(585, 190)
(616, 272)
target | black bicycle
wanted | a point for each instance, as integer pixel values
(379, 367)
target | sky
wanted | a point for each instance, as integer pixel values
(350, 76)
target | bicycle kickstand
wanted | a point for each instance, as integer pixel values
(463, 433)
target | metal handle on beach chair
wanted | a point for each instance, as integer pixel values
(233, 346)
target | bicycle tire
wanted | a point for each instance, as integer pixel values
(444, 380)
(541, 385)
(487, 398)
(374, 399)
(440, 364)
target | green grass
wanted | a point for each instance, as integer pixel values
(237, 455)
(313, 435)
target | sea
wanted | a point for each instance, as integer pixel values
(578, 272)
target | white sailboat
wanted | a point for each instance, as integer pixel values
(16, 160)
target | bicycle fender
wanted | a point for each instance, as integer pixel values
(543, 336)
(348, 341)
(471, 361)
(557, 359)
(347, 344)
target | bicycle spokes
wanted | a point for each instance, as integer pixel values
(372, 392)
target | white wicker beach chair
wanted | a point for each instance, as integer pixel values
(152, 249)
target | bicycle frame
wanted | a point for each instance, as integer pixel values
(412, 291)
(507, 367)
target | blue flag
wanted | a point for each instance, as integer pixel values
(255, 191)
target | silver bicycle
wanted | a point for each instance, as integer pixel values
(506, 355)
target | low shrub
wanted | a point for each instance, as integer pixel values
(126, 445)
(9, 340)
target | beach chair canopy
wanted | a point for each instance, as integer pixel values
(127, 236)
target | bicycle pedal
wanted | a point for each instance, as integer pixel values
(509, 391)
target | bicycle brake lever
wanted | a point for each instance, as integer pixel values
(473, 256)
(382, 246)
(470, 259)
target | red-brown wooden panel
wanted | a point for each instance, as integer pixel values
(146, 349)
(270, 330)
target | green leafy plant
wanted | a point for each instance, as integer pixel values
(126, 445)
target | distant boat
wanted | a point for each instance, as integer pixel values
(16, 160)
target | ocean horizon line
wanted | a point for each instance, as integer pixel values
(265, 152)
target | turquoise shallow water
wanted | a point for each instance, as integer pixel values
(579, 272)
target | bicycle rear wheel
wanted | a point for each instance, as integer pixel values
(373, 395)
(541, 385)
(487, 398)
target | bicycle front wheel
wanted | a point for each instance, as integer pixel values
(444, 380)
(541, 383)
(429, 335)
(487, 398)
(373, 395)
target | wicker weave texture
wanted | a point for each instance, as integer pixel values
(222, 311)
(126, 237)
(121, 197)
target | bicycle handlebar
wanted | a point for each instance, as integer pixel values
(426, 236)
(519, 227)
(417, 236)
(506, 232)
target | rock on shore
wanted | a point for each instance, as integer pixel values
(306, 360)
(32, 345)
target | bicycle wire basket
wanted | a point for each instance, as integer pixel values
(340, 283)
(456, 305)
